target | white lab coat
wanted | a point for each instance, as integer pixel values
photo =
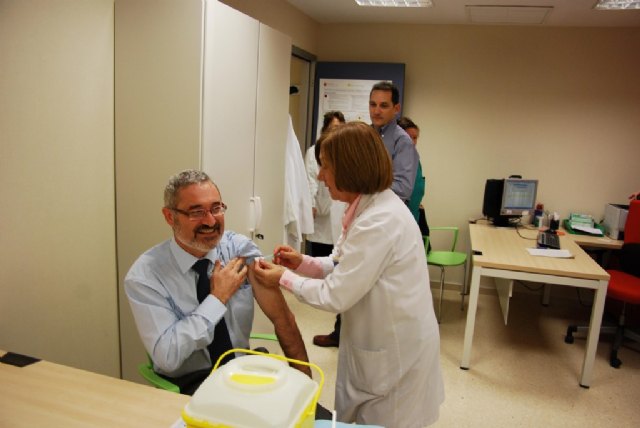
(298, 214)
(327, 224)
(389, 357)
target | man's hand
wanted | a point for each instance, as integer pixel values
(274, 306)
(225, 281)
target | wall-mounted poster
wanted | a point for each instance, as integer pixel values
(349, 96)
(345, 86)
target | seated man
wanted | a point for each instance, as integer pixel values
(190, 296)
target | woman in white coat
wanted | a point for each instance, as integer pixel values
(389, 357)
(326, 213)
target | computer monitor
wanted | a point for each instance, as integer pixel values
(506, 200)
(518, 196)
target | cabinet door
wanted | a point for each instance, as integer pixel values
(158, 45)
(229, 108)
(272, 122)
(245, 119)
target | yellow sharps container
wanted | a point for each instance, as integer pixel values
(255, 391)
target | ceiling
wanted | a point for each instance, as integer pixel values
(571, 13)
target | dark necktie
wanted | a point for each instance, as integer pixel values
(221, 340)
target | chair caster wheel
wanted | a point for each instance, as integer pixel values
(615, 363)
(569, 337)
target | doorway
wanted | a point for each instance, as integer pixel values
(300, 95)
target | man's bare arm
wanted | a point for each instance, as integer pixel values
(274, 306)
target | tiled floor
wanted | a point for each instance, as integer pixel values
(521, 375)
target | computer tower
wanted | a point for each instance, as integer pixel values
(492, 198)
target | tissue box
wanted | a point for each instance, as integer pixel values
(580, 220)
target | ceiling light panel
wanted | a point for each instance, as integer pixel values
(395, 3)
(617, 4)
(524, 15)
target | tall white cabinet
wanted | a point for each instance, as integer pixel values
(197, 85)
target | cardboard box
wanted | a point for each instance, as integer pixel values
(615, 216)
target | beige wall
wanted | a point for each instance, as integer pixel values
(282, 16)
(560, 105)
(58, 294)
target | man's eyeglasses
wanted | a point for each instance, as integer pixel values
(199, 214)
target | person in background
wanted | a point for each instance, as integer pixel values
(327, 215)
(389, 370)
(415, 202)
(185, 328)
(384, 105)
(323, 237)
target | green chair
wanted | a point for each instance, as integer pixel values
(445, 259)
(146, 369)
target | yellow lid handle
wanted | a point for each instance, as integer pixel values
(277, 357)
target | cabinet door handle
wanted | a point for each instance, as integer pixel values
(255, 215)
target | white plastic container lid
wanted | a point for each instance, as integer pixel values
(253, 391)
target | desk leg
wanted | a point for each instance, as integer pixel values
(504, 288)
(594, 334)
(546, 294)
(471, 316)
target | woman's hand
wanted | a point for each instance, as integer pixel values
(268, 296)
(286, 256)
(266, 274)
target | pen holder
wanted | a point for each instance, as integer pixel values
(554, 225)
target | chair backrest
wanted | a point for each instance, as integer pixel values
(630, 252)
(632, 225)
(454, 241)
(146, 371)
(630, 258)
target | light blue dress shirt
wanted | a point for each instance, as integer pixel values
(404, 157)
(175, 329)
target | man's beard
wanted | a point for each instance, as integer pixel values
(199, 245)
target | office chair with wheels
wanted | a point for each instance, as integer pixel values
(445, 259)
(624, 285)
(146, 369)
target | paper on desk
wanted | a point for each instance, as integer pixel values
(180, 423)
(318, 424)
(587, 229)
(548, 252)
(328, 424)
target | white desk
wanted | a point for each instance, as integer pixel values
(45, 394)
(501, 253)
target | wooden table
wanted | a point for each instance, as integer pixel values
(501, 253)
(591, 241)
(45, 394)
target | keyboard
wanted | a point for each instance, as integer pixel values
(548, 240)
